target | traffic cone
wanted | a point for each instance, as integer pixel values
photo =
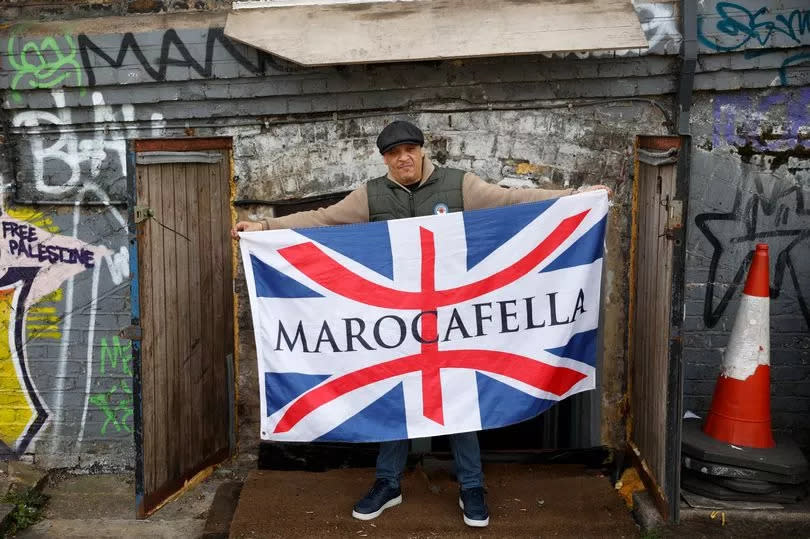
(741, 406)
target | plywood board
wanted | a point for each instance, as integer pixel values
(435, 29)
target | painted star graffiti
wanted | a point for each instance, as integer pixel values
(781, 220)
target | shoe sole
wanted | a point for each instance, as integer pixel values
(470, 522)
(393, 502)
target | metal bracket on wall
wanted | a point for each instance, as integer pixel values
(674, 217)
(131, 333)
(142, 213)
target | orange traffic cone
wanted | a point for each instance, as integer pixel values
(741, 406)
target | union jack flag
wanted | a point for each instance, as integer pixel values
(426, 326)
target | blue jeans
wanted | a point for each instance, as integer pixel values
(466, 453)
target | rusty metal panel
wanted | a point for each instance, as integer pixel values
(190, 144)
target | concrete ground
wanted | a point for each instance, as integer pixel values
(104, 506)
(792, 521)
(524, 500)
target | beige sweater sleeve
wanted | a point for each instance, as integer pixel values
(352, 209)
(480, 194)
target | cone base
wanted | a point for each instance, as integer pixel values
(741, 410)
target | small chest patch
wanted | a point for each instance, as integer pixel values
(440, 208)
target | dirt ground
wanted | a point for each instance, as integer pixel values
(524, 501)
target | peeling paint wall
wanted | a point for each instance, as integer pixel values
(73, 94)
(750, 184)
(71, 9)
(553, 148)
(65, 378)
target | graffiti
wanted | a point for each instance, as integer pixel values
(78, 167)
(49, 63)
(43, 64)
(171, 42)
(118, 264)
(23, 241)
(71, 152)
(52, 271)
(23, 413)
(70, 165)
(745, 121)
(780, 219)
(115, 402)
(660, 26)
(24, 281)
(790, 62)
(738, 26)
(659, 22)
(43, 320)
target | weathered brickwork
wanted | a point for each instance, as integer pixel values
(751, 184)
(71, 9)
(553, 148)
(75, 90)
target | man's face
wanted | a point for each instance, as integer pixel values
(405, 163)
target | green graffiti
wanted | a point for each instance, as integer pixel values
(116, 402)
(117, 407)
(42, 65)
(117, 353)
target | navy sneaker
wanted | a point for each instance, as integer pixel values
(473, 503)
(381, 496)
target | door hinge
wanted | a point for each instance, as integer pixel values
(142, 213)
(131, 333)
(674, 217)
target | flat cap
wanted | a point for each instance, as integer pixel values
(399, 132)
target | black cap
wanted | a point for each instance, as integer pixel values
(399, 132)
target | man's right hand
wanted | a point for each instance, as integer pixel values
(245, 226)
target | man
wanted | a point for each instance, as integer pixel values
(414, 186)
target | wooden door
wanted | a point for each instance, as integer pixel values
(183, 304)
(654, 376)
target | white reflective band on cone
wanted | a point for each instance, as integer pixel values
(750, 343)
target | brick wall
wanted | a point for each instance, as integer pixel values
(11, 10)
(67, 138)
(559, 120)
(552, 148)
(750, 184)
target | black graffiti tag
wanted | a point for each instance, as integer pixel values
(171, 40)
(783, 226)
(22, 279)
